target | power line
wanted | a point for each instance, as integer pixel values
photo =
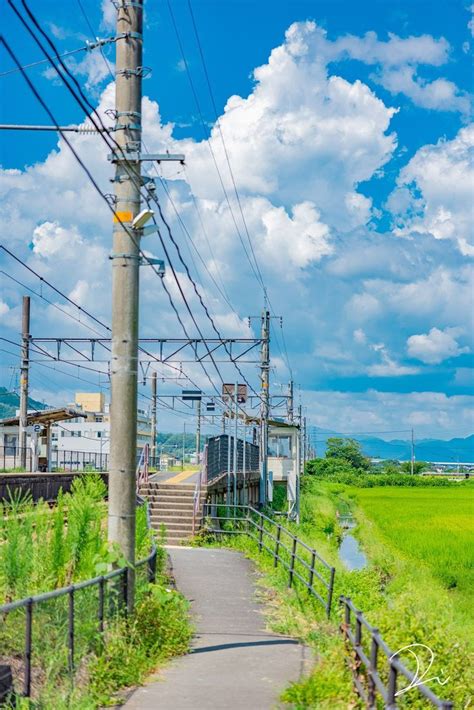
(229, 165)
(231, 172)
(255, 267)
(89, 24)
(48, 283)
(87, 48)
(68, 85)
(88, 172)
(54, 305)
(185, 230)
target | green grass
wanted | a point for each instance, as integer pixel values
(432, 527)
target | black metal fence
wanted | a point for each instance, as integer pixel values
(365, 662)
(218, 455)
(303, 564)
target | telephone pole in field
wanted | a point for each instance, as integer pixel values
(125, 281)
(265, 405)
(153, 419)
(24, 374)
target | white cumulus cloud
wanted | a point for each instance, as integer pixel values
(435, 346)
(435, 190)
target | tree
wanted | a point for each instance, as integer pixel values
(348, 450)
(418, 466)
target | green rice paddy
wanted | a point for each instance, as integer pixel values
(433, 527)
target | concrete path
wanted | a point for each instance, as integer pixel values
(234, 663)
(175, 476)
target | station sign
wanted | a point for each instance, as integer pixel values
(191, 395)
(228, 393)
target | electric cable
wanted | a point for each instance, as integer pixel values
(75, 153)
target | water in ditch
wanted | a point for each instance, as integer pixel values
(350, 553)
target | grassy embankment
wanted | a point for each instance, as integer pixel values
(43, 549)
(415, 588)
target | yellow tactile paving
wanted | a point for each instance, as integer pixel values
(180, 477)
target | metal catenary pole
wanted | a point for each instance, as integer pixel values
(125, 285)
(24, 376)
(198, 430)
(265, 406)
(290, 402)
(153, 419)
(184, 446)
(245, 498)
(236, 433)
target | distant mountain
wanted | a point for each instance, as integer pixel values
(10, 402)
(459, 449)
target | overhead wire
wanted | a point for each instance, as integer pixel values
(229, 165)
(254, 266)
(84, 167)
(105, 138)
(226, 153)
(86, 48)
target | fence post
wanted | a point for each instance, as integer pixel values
(311, 572)
(71, 629)
(330, 592)
(28, 649)
(100, 613)
(292, 563)
(260, 536)
(347, 616)
(374, 649)
(392, 687)
(125, 589)
(357, 642)
(277, 546)
(152, 567)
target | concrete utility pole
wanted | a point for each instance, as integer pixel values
(265, 406)
(153, 418)
(412, 458)
(290, 402)
(24, 374)
(125, 282)
(198, 430)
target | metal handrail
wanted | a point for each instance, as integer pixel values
(373, 682)
(29, 602)
(261, 536)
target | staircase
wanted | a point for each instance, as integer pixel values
(172, 505)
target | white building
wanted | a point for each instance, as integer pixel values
(92, 433)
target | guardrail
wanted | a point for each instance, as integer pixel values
(109, 603)
(365, 663)
(301, 561)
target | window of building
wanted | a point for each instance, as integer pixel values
(279, 446)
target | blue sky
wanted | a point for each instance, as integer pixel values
(350, 139)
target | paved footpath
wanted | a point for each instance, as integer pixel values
(234, 662)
